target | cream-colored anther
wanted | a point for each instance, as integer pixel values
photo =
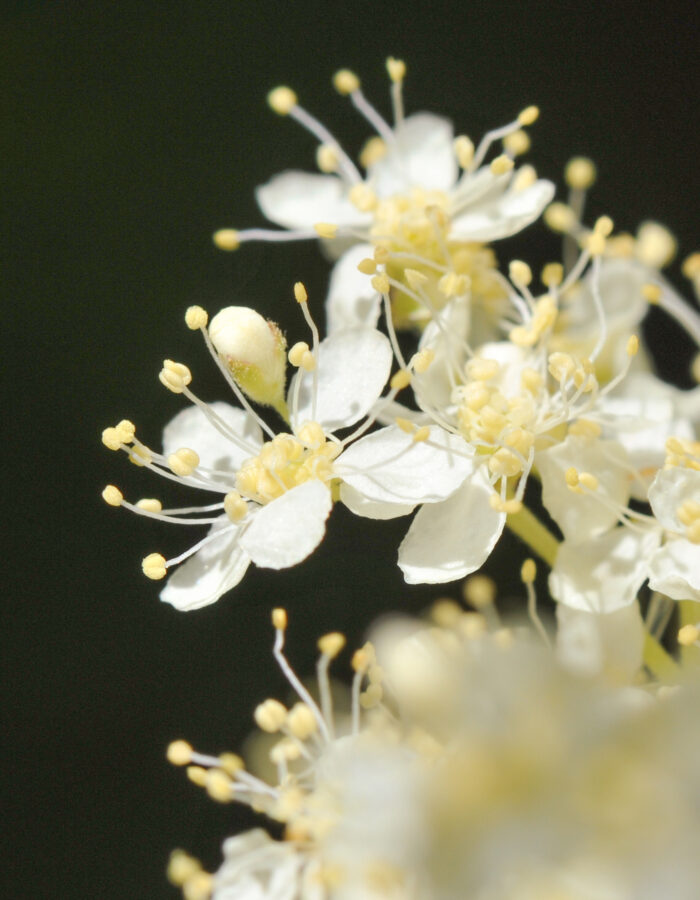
(382, 254)
(227, 239)
(421, 361)
(219, 786)
(421, 434)
(561, 366)
(446, 613)
(476, 395)
(231, 763)
(473, 626)
(400, 380)
(688, 635)
(519, 273)
(524, 178)
(279, 618)
(112, 495)
(153, 566)
(482, 369)
(552, 275)
(312, 435)
(688, 512)
(296, 354)
(331, 644)
(651, 293)
(196, 318)
(345, 82)
(580, 173)
(571, 477)
(453, 284)
(197, 775)
(560, 217)
(300, 293)
(301, 721)
(360, 660)
(380, 283)
(125, 431)
(367, 266)
(396, 69)
(308, 361)
(405, 425)
(595, 244)
(372, 152)
(235, 506)
(588, 480)
(363, 197)
(198, 887)
(529, 115)
(528, 571)
(520, 440)
(510, 507)
(531, 380)
(656, 246)
(282, 100)
(464, 151)
(181, 867)
(516, 143)
(150, 504)
(179, 753)
(501, 164)
(585, 428)
(183, 462)
(505, 463)
(111, 439)
(174, 376)
(140, 456)
(372, 697)
(479, 591)
(632, 345)
(327, 158)
(604, 225)
(326, 230)
(270, 715)
(692, 532)
(415, 279)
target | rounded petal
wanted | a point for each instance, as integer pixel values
(209, 573)
(507, 215)
(372, 509)
(288, 529)
(591, 643)
(192, 428)
(668, 491)
(388, 466)
(449, 540)
(674, 570)
(353, 368)
(351, 299)
(445, 334)
(422, 156)
(302, 199)
(604, 574)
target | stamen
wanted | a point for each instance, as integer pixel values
(230, 239)
(365, 108)
(397, 72)
(526, 117)
(291, 676)
(302, 299)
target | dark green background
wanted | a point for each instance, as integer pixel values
(130, 131)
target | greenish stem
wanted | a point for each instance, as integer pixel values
(658, 661)
(538, 538)
(689, 614)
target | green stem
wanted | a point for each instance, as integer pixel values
(689, 614)
(538, 538)
(658, 661)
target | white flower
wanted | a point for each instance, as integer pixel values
(675, 500)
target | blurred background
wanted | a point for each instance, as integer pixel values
(131, 131)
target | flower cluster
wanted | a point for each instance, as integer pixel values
(476, 398)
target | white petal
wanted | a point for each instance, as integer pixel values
(449, 540)
(505, 216)
(210, 573)
(351, 299)
(669, 490)
(591, 643)
(388, 466)
(372, 509)
(581, 516)
(604, 574)
(445, 335)
(422, 156)
(289, 528)
(353, 368)
(674, 570)
(303, 199)
(191, 428)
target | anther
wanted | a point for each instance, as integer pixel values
(197, 775)
(552, 275)
(270, 715)
(111, 438)
(174, 376)
(282, 100)
(346, 82)
(528, 571)
(688, 635)
(505, 463)
(529, 115)
(327, 158)
(632, 345)
(300, 294)
(517, 143)
(150, 504)
(604, 225)
(560, 217)
(381, 283)
(464, 151)
(580, 173)
(589, 481)
(279, 618)
(571, 477)
(301, 721)
(421, 434)
(153, 566)
(595, 244)
(235, 506)
(396, 69)
(227, 239)
(179, 753)
(446, 613)
(656, 246)
(196, 318)
(400, 380)
(367, 266)
(363, 197)
(219, 786)
(421, 361)
(296, 354)
(501, 164)
(231, 763)
(520, 273)
(183, 462)
(651, 293)
(331, 644)
(372, 152)
(691, 267)
(112, 495)
(326, 230)
(181, 868)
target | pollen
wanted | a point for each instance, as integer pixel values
(421, 434)
(656, 246)
(589, 481)
(580, 173)
(270, 715)
(227, 239)
(422, 360)
(482, 369)
(505, 463)
(560, 217)
(519, 273)
(363, 197)
(528, 572)
(181, 867)
(346, 82)
(380, 283)
(154, 566)
(235, 506)
(396, 69)
(296, 353)
(279, 618)
(367, 266)
(282, 100)
(552, 275)
(179, 753)
(400, 380)
(112, 495)
(571, 477)
(529, 115)
(331, 644)
(219, 786)
(327, 158)
(688, 635)
(453, 284)
(517, 143)
(604, 225)
(595, 244)
(175, 376)
(651, 293)
(300, 294)
(501, 164)
(464, 151)
(301, 721)
(150, 504)
(196, 318)
(183, 462)
(372, 152)
(326, 230)
(632, 345)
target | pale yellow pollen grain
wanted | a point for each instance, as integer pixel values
(421, 434)
(111, 439)
(528, 571)
(511, 507)
(482, 369)
(179, 753)
(519, 273)
(560, 217)
(505, 463)
(231, 763)
(525, 177)
(301, 721)
(501, 164)
(150, 504)
(140, 456)
(227, 239)
(595, 244)
(396, 69)
(235, 506)
(154, 567)
(372, 152)
(422, 360)
(453, 284)
(282, 100)
(300, 294)
(552, 274)
(327, 158)
(181, 867)
(331, 644)
(360, 660)
(112, 495)
(651, 293)
(219, 786)
(588, 480)
(405, 425)
(270, 715)
(632, 345)
(183, 462)
(688, 635)
(529, 115)
(196, 318)
(197, 775)
(580, 173)
(656, 246)
(367, 266)
(363, 197)
(296, 353)
(380, 283)
(279, 618)
(604, 225)
(464, 151)
(571, 476)
(308, 361)
(345, 82)
(517, 143)
(174, 376)
(326, 230)
(400, 380)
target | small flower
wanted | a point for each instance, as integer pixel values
(675, 500)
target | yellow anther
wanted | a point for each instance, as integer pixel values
(688, 512)
(174, 376)
(453, 285)
(154, 566)
(528, 571)
(560, 217)
(327, 158)
(692, 532)
(691, 266)
(382, 254)
(482, 369)
(181, 867)
(279, 618)
(198, 887)
(296, 353)
(505, 463)
(312, 435)
(476, 395)
(580, 173)
(308, 361)
(421, 434)
(519, 273)
(300, 294)
(571, 476)
(587, 480)
(511, 507)
(183, 462)
(396, 69)
(179, 753)
(112, 495)
(604, 225)
(219, 786)
(363, 197)
(561, 366)
(380, 283)
(231, 763)
(270, 715)
(235, 506)
(140, 456)
(282, 100)
(196, 318)
(651, 293)
(520, 439)
(422, 360)
(656, 246)
(111, 438)
(301, 721)
(552, 275)
(501, 164)
(446, 613)
(405, 425)
(197, 775)
(688, 635)
(400, 380)
(367, 266)
(326, 230)
(464, 151)
(517, 143)
(331, 644)
(150, 504)
(524, 178)
(529, 115)
(372, 152)
(632, 345)
(595, 244)
(415, 279)
(585, 428)
(126, 431)
(345, 82)
(531, 379)
(227, 239)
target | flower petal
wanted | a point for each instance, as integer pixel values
(422, 156)
(604, 574)
(445, 334)
(302, 199)
(675, 570)
(372, 509)
(288, 529)
(351, 299)
(353, 367)
(209, 573)
(388, 466)
(669, 490)
(591, 643)
(449, 540)
(191, 428)
(505, 216)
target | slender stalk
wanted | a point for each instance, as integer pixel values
(689, 614)
(538, 538)
(658, 661)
